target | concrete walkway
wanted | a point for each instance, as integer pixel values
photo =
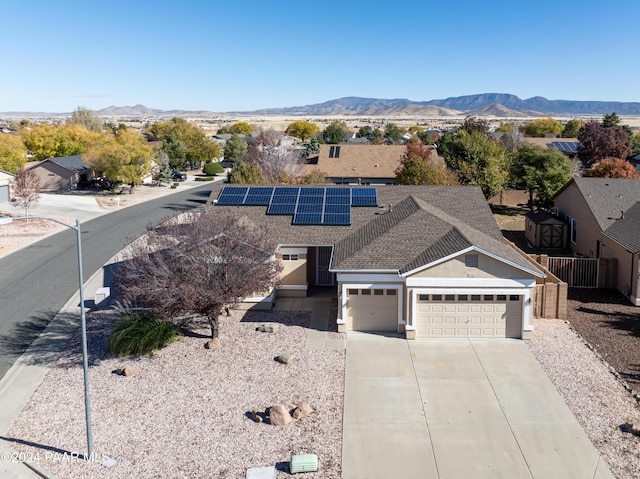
(452, 409)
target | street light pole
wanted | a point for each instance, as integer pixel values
(83, 321)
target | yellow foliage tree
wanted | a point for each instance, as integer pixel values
(12, 152)
(542, 126)
(302, 129)
(53, 141)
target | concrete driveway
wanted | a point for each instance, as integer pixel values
(454, 409)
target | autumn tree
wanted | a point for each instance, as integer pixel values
(26, 189)
(200, 265)
(53, 141)
(302, 129)
(614, 168)
(473, 123)
(235, 149)
(335, 132)
(245, 174)
(476, 160)
(277, 164)
(87, 118)
(541, 171)
(12, 152)
(572, 128)
(599, 142)
(420, 167)
(315, 177)
(416, 129)
(239, 128)
(543, 126)
(124, 157)
(197, 147)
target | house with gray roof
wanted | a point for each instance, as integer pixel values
(427, 261)
(63, 173)
(603, 216)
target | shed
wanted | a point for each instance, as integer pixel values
(544, 230)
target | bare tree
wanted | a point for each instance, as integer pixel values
(26, 189)
(277, 163)
(201, 266)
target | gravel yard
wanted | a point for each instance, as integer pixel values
(186, 414)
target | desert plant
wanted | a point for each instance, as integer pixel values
(139, 332)
(212, 169)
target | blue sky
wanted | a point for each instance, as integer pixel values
(240, 56)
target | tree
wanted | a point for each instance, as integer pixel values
(212, 169)
(476, 160)
(313, 148)
(614, 168)
(302, 129)
(572, 128)
(335, 132)
(540, 171)
(473, 123)
(416, 129)
(315, 177)
(426, 137)
(412, 171)
(419, 167)
(392, 134)
(12, 152)
(542, 126)
(124, 157)
(85, 117)
(363, 132)
(277, 164)
(239, 128)
(177, 154)
(53, 141)
(235, 149)
(610, 119)
(599, 142)
(26, 189)
(164, 168)
(246, 174)
(197, 147)
(200, 266)
(375, 136)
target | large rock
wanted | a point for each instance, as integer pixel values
(279, 415)
(128, 371)
(285, 358)
(303, 410)
(267, 328)
(213, 344)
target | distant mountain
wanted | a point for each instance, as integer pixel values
(500, 111)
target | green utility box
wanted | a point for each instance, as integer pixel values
(303, 463)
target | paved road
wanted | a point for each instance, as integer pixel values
(37, 281)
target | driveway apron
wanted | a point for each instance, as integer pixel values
(457, 408)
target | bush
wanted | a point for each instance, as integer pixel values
(212, 169)
(139, 332)
(205, 178)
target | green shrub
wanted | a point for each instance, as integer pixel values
(205, 178)
(212, 169)
(139, 332)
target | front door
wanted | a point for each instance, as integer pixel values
(323, 276)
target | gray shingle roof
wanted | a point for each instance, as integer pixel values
(72, 163)
(614, 204)
(424, 224)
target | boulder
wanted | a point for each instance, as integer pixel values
(267, 328)
(303, 410)
(285, 358)
(279, 415)
(128, 371)
(213, 344)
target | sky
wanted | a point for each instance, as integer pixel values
(241, 56)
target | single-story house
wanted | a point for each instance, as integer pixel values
(426, 261)
(62, 173)
(568, 146)
(5, 186)
(544, 230)
(355, 164)
(603, 215)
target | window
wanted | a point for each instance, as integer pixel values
(574, 228)
(289, 257)
(463, 297)
(365, 292)
(391, 292)
(332, 151)
(449, 297)
(436, 297)
(501, 297)
(488, 297)
(353, 292)
(378, 292)
(514, 297)
(423, 297)
(337, 152)
(475, 297)
(471, 260)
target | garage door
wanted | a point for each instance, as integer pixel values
(372, 309)
(4, 194)
(468, 316)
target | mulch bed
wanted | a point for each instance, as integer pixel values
(611, 325)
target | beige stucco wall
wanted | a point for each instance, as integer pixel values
(294, 272)
(627, 279)
(571, 202)
(487, 268)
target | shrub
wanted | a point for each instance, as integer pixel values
(205, 178)
(212, 169)
(139, 332)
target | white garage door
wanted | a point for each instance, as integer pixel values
(4, 194)
(372, 309)
(468, 316)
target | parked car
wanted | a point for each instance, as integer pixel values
(177, 176)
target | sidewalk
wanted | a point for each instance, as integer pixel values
(21, 381)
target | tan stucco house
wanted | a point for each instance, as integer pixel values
(63, 173)
(355, 164)
(427, 261)
(603, 217)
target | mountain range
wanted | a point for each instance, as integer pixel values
(485, 104)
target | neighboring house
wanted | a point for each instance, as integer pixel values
(603, 215)
(65, 172)
(5, 186)
(354, 164)
(635, 161)
(427, 261)
(568, 146)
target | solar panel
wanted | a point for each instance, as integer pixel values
(258, 196)
(307, 219)
(337, 208)
(364, 197)
(281, 209)
(232, 196)
(304, 192)
(337, 219)
(565, 146)
(338, 192)
(316, 208)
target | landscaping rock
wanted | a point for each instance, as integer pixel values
(279, 415)
(285, 358)
(303, 410)
(267, 328)
(213, 344)
(130, 370)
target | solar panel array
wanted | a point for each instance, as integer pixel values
(565, 146)
(309, 206)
